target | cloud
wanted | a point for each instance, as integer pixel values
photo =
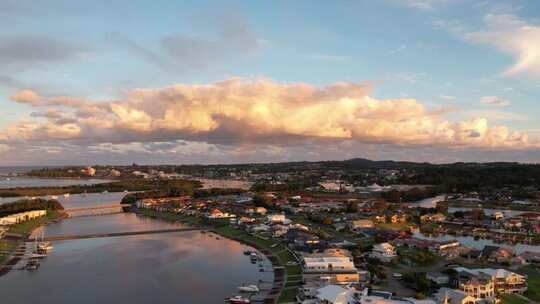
(27, 50)
(261, 112)
(495, 101)
(423, 4)
(234, 39)
(447, 97)
(513, 36)
(330, 58)
(498, 116)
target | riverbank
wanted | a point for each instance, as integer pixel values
(287, 272)
(18, 234)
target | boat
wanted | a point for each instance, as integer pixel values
(247, 252)
(54, 197)
(44, 246)
(66, 195)
(237, 300)
(248, 288)
(32, 265)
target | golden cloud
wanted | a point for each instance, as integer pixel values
(242, 111)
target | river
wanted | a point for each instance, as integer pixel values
(17, 182)
(79, 200)
(182, 267)
(479, 244)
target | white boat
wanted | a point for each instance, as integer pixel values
(248, 288)
(237, 300)
(66, 195)
(54, 197)
(45, 247)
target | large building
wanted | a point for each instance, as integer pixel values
(504, 281)
(336, 265)
(21, 217)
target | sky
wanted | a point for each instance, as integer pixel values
(184, 82)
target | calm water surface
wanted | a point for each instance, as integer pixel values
(183, 267)
(80, 201)
(14, 182)
(479, 244)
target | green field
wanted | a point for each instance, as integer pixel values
(533, 283)
(513, 299)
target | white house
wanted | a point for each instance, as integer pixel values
(277, 218)
(384, 252)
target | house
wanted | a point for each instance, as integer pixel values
(479, 286)
(398, 218)
(301, 240)
(380, 219)
(433, 218)
(502, 281)
(336, 264)
(453, 296)
(506, 281)
(360, 224)
(277, 218)
(438, 278)
(497, 254)
(498, 215)
(218, 214)
(279, 230)
(384, 252)
(334, 294)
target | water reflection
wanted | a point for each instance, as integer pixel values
(15, 182)
(184, 267)
(80, 200)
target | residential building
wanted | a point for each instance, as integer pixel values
(384, 252)
(504, 281)
(433, 218)
(360, 224)
(438, 278)
(21, 217)
(453, 296)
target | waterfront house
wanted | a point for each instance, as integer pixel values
(335, 264)
(301, 240)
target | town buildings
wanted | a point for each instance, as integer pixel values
(21, 217)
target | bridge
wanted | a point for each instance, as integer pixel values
(117, 234)
(97, 210)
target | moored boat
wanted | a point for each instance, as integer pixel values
(237, 300)
(248, 288)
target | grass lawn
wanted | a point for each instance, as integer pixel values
(287, 296)
(5, 246)
(393, 226)
(28, 226)
(513, 299)
(533, 283)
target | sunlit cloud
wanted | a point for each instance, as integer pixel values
(243, 112)
(513, 36)
(495, 101)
